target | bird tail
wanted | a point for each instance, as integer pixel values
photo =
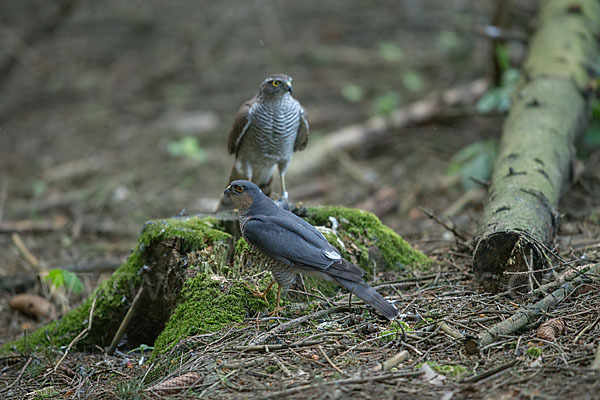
(225, 202)
(370, 296)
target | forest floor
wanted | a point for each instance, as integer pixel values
(120, 116)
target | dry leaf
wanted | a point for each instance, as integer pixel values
(33, 306)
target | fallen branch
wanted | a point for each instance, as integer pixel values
(263, 338)
(375, 128)
(341, 382)
(527, 314)
(125, 322)
(81, 335)
(392, 361)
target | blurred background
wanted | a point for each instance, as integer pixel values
(115, 112)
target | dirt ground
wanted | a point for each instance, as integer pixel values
(117, 112)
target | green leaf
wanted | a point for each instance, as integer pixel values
(498, 98)
(413, 81)
(68, 279)
(390, 51)
(475, 160)
(385, 103)
(503, 57)
(187, 147)
(448, 41)
(353, 93)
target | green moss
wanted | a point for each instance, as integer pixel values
(448, 370)
(534, 352)
(207, 305)
(115, 294)
(396, 252)
(395, 331)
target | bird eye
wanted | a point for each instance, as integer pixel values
(238, 189)
(276, 83)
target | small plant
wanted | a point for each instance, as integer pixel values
(498, 98)
(385, 103)
(62, 278)
(352, 92)
(448, 370)
(475, 160)
(534, 352)
(187, 147)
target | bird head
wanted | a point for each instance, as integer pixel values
(276, 85)
(243, 194)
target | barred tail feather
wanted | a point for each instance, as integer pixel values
(370, 296)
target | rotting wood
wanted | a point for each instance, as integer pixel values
(536, 149)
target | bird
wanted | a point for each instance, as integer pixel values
(265, 132)
(289, 245)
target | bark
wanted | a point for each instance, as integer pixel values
(536, 151)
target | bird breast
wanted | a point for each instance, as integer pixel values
(274, 128)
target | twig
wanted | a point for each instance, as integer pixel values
(263, 348)
(565, 276)
(392, 362)
(341, 382)
(527, 314)
(82, 334)
(125, 322)
(263, 338)
(444, 327)
(13, 383)
(452, 229)
(28, 255)
(488, 373)
(329, 360)
(596, 364)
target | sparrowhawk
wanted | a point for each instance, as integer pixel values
(266, 130)
(288, 245)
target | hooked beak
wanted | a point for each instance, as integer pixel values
(288, 86)
(227, 191)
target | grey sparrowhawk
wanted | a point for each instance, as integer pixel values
(266, 131)
(288, 245)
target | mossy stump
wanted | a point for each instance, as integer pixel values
(195, 274)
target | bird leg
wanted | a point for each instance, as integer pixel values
(263, 294)
(284, 193)
(275, 312)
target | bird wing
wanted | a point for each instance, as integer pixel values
(303, 131)
(239, 126)
(302, 246)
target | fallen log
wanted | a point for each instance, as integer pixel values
(536, 151)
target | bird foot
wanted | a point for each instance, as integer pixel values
(257, 293)
(275, 312)
(285, 204)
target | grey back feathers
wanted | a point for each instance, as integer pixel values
(293, 242)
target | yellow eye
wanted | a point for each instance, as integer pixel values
(238, 189)
(276, 83)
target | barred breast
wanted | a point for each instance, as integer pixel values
(282, 274)
(272, 132)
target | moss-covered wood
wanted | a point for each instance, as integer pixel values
(537, 146)
(194, 276)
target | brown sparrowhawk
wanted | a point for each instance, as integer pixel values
(289, 245)
(266, 131)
